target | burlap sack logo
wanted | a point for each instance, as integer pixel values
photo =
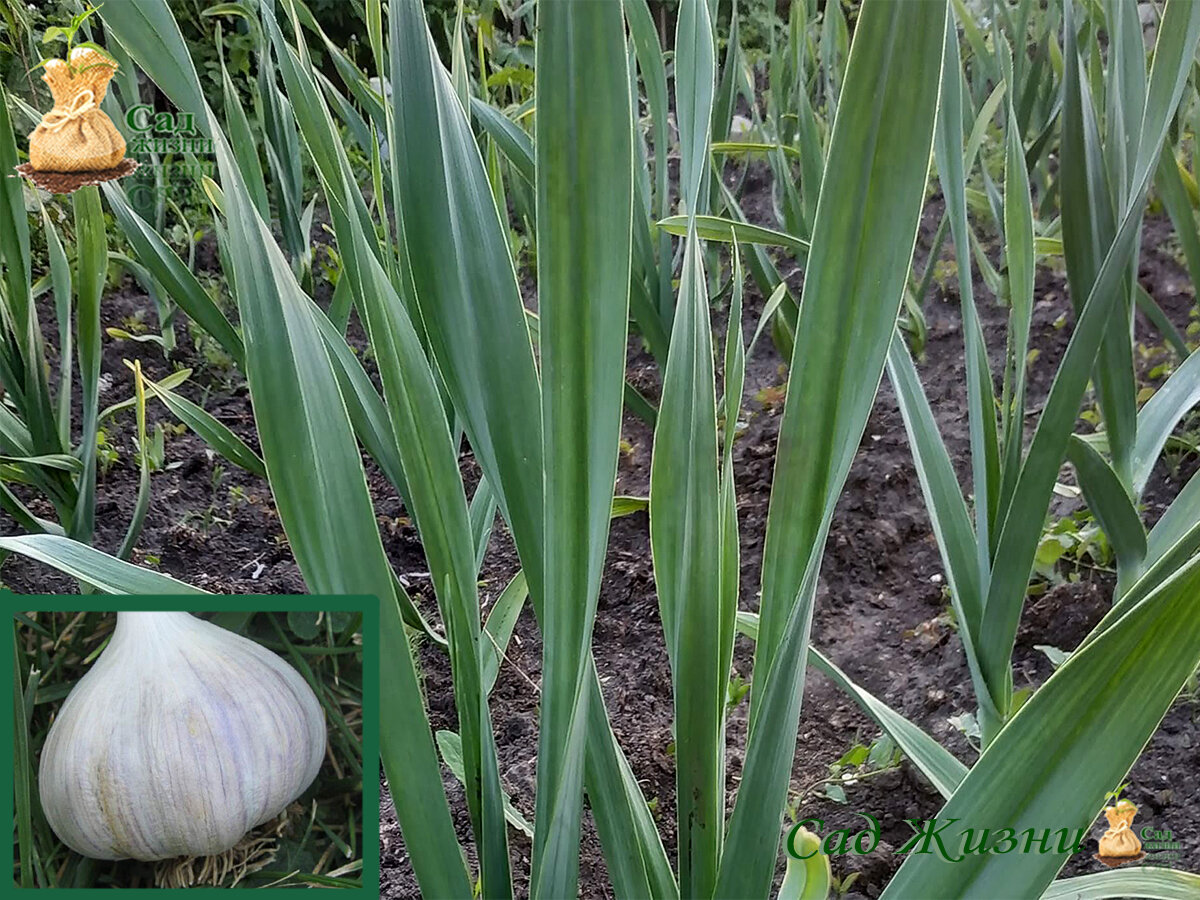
(1120, 844)
(76, 143)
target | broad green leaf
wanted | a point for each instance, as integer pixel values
(1019, 254)
(981, 400)
(1092, 199)
(863, 238)
(367, 410)
(1168, 183)
(23, 369)
(770, 282)
(58, 461)
(438, 503)
(321, 136)
(584, 220)
(14, 225)
(1056, 775)
(91, 269)
(245, 145)
(1179, 394)
(60, 276)
(148, 32)
(103, 572)
(513, 142)
(729, 410)
(650, 62)
(740, 147)
(939, 485)
(1125, 96)
(465, 288)
(141, 503)
(937, 763)
(463, 280)
(281, 140)
(1108, 500)
(686, 540)
(722, 108)
(1144, 881)
(695, 77)
(304, 429)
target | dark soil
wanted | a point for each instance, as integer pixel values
(879, 612)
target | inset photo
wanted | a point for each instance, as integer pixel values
(178, 748)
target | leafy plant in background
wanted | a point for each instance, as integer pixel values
(427, 266)
(67, 33)
(35, 429)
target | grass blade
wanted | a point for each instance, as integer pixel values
(1158, 418)
(695, 76)
(465, 288)
(716, 228)
(685, 535)
(1148, 882)
(438, 504)
(1031, 497)
(463, 279)
(91, 269)
(171, 272)
(148, 32)
(584, 222)
(981, 400)
(103, 572)
(210, 430)
(937, 763)
(22, 769)
(304, 428)
(1057, 777)
(1110, 502)
(947, 510)
(1019, 254)
(60, 276)
(863, 239)
(141, 503)
(1089, 226)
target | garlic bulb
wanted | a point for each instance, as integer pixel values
(180, 739)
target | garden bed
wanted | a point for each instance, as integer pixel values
(880, 611)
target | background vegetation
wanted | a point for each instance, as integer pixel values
(430, 239)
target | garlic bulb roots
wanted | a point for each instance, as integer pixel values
(180, 739)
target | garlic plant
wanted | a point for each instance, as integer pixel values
(182, 738)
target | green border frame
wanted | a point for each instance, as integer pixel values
(11, 603)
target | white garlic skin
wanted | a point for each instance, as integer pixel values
(180, 739)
